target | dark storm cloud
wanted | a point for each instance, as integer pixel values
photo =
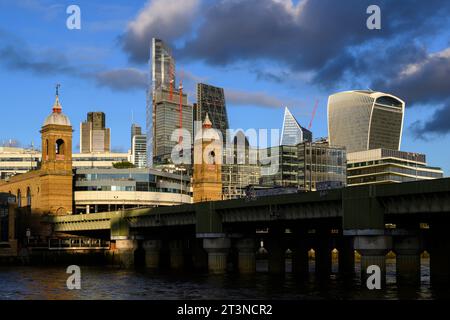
(304, 37)
(438, 124)
(427, 82)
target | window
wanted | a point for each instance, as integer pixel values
(28, 196)
(60, 147)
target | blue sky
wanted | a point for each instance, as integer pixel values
(267, 54)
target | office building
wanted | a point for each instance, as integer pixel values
(292, 133)
(135, 130)
(242, 171)
(321, 166)
(307, 166)
(98, 160)
(94, 136)
(162, 70)
(388, 166)
(166, 120)
(138, 147)
(139, 151)
(107, 189)
(211, 101)
(362, 120)
(17, 160)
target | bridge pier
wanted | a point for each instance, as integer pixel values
(408, 251)
(323, 254)
(276, 250)
(176, 254)
(125, 250)
(246, 255)
(152, 253)
(346, 256)
(300, 259)
(217, 249)
(373, 250)
(440, 255)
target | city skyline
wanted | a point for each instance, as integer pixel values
(255, 98)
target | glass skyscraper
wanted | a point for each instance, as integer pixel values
(211, 101)
(292, 133)
(362, 120)
(162, 70)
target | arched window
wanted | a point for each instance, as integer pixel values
(46, 148)
(19, 198)
(28, 196)
(60, 148)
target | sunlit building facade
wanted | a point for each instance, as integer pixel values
(292, 133)
(362, 120)
(388, 166)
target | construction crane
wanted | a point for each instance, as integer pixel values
(313, 114)
(171, 82)
(181, 109)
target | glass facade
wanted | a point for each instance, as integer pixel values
(292, 133)
(162, 70)
(130, 180)
(387, 166)
(362, 120)
(166, 119)
(306, 165)
(321, 163)
(211, 101)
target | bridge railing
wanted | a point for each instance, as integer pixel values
(77, 243)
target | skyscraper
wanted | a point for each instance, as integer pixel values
(138, 146)
(135, 130)
(162, 70)
(166, 119)
(292, 133)
(211, 101)
(94, 136)
(363, 120)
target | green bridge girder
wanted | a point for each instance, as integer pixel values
(360, 207)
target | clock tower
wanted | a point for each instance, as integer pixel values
(207, 180)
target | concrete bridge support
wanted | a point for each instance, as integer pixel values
(152, 253)
(323, 254)
(246, 255)
(346, 256)
(276, 250)
(125, 250)
(176, 248)
(199, 255)
(217, 249)
(373, 250)
(440, 255)
(300, 259)
(408, 250)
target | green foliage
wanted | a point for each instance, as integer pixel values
(123, 165)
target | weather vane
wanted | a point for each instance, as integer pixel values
(57, 89)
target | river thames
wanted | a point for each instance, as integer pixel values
(49, 283)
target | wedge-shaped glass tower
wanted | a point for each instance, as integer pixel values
(292, 133)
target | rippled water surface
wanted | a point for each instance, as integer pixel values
(114, 283)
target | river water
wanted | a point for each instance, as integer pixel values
(114, 283)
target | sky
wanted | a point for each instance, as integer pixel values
(266, 54)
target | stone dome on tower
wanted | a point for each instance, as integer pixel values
(57, 117)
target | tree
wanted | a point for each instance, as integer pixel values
(123, 165)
